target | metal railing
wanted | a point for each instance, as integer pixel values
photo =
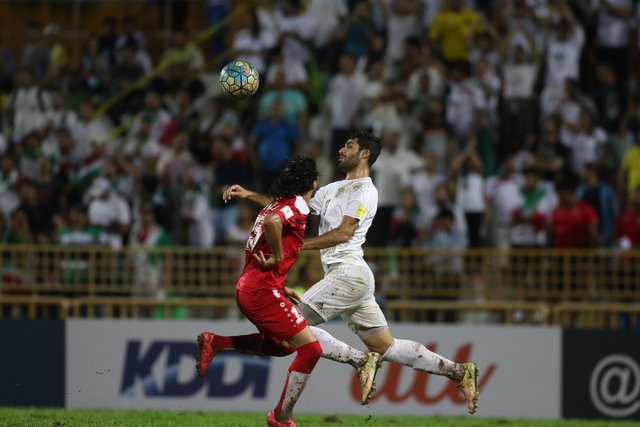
(487, 285)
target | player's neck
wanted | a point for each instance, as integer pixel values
(361, 171)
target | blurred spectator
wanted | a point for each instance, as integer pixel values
(294, 72)
(447, 236)
(553, 159)
(293, 102)
(180, 51)
(391, 173)
(563, 49)
(574, 223)
(77, 233)
(602, 199)
(630, 168)
(466, 105)
(107, 43)
(39, 215)
(327, 15)
(407, 222)
(272, 141)
(627, 224)
(452, 27)
(346, 91)
(355, 32)
(589, 144)
(109, 212)
(7, 68)
(228, 170)
(89, 127)
(503, 196)
(613, 35)
(175, 161)
(435, 133)
(162, 124)
(195, 213)
(58, 57)
(130, 35)
(19, 230)
(424, 181)
(252, 43)
(149, 271)
(466, 170)
(35, 54)
(237, 232)
(529, 219)
(443, 201)
(518, 112)
(297, 30)
(402, 22)
(9, 185)
(27, 105)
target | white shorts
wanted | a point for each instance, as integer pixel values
(347, 290)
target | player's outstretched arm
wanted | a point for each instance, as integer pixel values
(239, 192)
(338, 235)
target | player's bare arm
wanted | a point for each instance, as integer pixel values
(273, 234)
(239, 192)
(338, 235)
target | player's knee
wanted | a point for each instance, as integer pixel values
(311, 351)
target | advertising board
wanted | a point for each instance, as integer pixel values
(150, 364)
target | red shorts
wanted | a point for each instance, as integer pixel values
(272, 313)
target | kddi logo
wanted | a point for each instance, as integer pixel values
(615, 386)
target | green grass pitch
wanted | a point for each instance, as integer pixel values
(29, 417)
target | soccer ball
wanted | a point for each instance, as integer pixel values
(239, 79)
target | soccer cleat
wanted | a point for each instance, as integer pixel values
(468, 385)
(273, 422)
(206, 353)
(367, 376)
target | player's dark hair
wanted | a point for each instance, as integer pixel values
(295, 179)
(370, 142)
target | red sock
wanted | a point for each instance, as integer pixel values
(250, 344)
(304, 362)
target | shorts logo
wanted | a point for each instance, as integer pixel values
(361, 210)
(615, 386)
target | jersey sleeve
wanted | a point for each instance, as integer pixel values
(292, 212)
(359, 205)
(317, 200)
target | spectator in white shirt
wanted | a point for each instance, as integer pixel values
(27, 105)
(195, 213)
(346, 92)
(424, 181)
(613, 35)
(391, 173)
(297, 30)
(109, 212)
(466, 168)
(563, 51)
(252, 43)
(503, 195)
(466, 105)
(589, 143)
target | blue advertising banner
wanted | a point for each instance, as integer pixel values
(32, 365)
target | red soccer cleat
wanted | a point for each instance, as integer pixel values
(206, 353)
(273, 422)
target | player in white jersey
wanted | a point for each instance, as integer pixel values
(346, 210)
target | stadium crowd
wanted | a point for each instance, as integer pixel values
(504, 124)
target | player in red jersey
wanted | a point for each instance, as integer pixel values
(271, 250)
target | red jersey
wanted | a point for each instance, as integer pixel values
(628, 225)
(293, 212)
(571, 225)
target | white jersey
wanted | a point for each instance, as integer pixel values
(357, 198)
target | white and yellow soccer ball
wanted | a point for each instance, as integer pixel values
(239, 79)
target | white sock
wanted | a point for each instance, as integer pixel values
(419, 357)
(296, 381)
(336, 350)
